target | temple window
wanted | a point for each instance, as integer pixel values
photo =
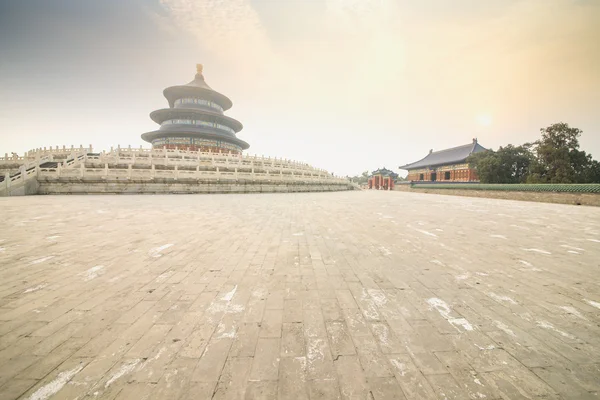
(198, 123)
(202, 102)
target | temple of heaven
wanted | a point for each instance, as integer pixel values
(195, 120)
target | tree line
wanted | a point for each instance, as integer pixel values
(555, 158)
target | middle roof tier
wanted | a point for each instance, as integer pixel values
(165, 114)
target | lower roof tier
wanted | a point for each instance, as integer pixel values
(194, 134)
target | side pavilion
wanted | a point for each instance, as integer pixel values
(382, 179)
(448, 165)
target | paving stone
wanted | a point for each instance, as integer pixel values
(318, 358)
(199, 390)
(466, 377)
(356, 323)
(234, 379)
(292, 379)
(324, 389)
(353, 384)
(388, 341)
(14, 388)
(292, 311)
(261, 390)
(196, 343)
(292, 341)
(266, 360)
(313, 323)
(271, 324)
(512, 385)
(340, 340)
(176, 379)
(212, 360)
(565, 382)
(245, 341)
(58, 383)
(382, 388)
(363, 295)
(446, 387)
(411, 380)
(372, 360)
(428, 364)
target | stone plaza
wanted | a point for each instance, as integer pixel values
(346, 295)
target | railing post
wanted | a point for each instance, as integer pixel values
(153, 172)
(176, 172)
(106, 170)
(129, 169)
(7, 181)
(58, 170)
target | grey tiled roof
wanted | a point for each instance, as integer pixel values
(385, 172)
(448, 156)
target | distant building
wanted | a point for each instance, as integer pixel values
(445, 165)
(195, 120)
(382, 179)
(195, 150)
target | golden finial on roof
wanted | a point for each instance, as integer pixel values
(199, 68)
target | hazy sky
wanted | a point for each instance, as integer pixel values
(346, 85)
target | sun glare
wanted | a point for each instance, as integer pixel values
(484, 119)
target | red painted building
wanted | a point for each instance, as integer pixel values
(448, 165)
(382, 179)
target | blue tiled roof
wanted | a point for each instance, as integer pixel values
(385, 172)
(449, 156)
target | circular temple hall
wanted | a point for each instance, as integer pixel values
(195, 120)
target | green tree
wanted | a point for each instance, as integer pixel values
(361, 179)
(555, 158)
(558, 158)
(509, 164)
(592, 173)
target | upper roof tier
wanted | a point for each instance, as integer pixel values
(197, 88)
(449, 156)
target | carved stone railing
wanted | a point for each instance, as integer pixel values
(141, 164)
(149, 174)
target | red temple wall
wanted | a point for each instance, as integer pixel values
(456, 175)
(205, 149)
(377, 181)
